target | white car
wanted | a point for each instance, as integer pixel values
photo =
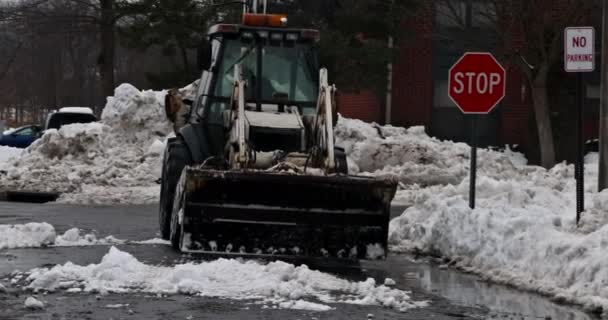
(69, 115)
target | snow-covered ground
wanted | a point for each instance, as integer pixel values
(276, 283)
(523, 231)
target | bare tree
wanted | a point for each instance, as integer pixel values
(64, 16)
(530, 36)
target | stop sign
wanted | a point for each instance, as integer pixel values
(477, 83)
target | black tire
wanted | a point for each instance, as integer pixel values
(176, 157)
(175, 232)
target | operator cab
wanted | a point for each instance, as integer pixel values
(279, 65)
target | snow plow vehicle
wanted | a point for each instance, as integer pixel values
(254, 169)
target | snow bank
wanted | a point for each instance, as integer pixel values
(276, 282)
(415, 157)
(116, 160)
(523, 232)
(109, 195)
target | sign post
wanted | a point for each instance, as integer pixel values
(579, 57)
(476, 84)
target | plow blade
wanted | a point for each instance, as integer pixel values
(260, 213)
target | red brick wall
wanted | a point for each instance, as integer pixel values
(413, 72)
(412, 80)
(413, 85)
(364, 105)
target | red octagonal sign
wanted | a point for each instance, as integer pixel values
(477, 83)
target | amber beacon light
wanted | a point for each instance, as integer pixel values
(265, 20)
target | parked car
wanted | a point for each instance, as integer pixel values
(69, 115)
(21, 137)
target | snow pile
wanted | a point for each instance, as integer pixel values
(7, 153)
(523, 232)
(276, 282)
(415, 157)
(26, 235)
(116, 160)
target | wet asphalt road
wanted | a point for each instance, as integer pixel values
(452, 295)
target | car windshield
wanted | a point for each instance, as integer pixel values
(287, 71)
(60, 119)
(19, 130)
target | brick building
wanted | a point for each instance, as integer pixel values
(419, 85)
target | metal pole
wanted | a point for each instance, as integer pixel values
(580, 165)
(389, 84)
(473, 169)
(603, 136)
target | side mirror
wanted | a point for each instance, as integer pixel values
(204, 55)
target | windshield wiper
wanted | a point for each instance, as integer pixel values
(241, 58)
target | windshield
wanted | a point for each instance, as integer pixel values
(287, 71)
(60, 119)
(10, 131)
(23, 130)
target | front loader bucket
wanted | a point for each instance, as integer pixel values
(261, 213)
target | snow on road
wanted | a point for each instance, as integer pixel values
(276, 283)
(523, 231)
(26, 235)
(76, 237)
(33, 303)
(35, 235)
